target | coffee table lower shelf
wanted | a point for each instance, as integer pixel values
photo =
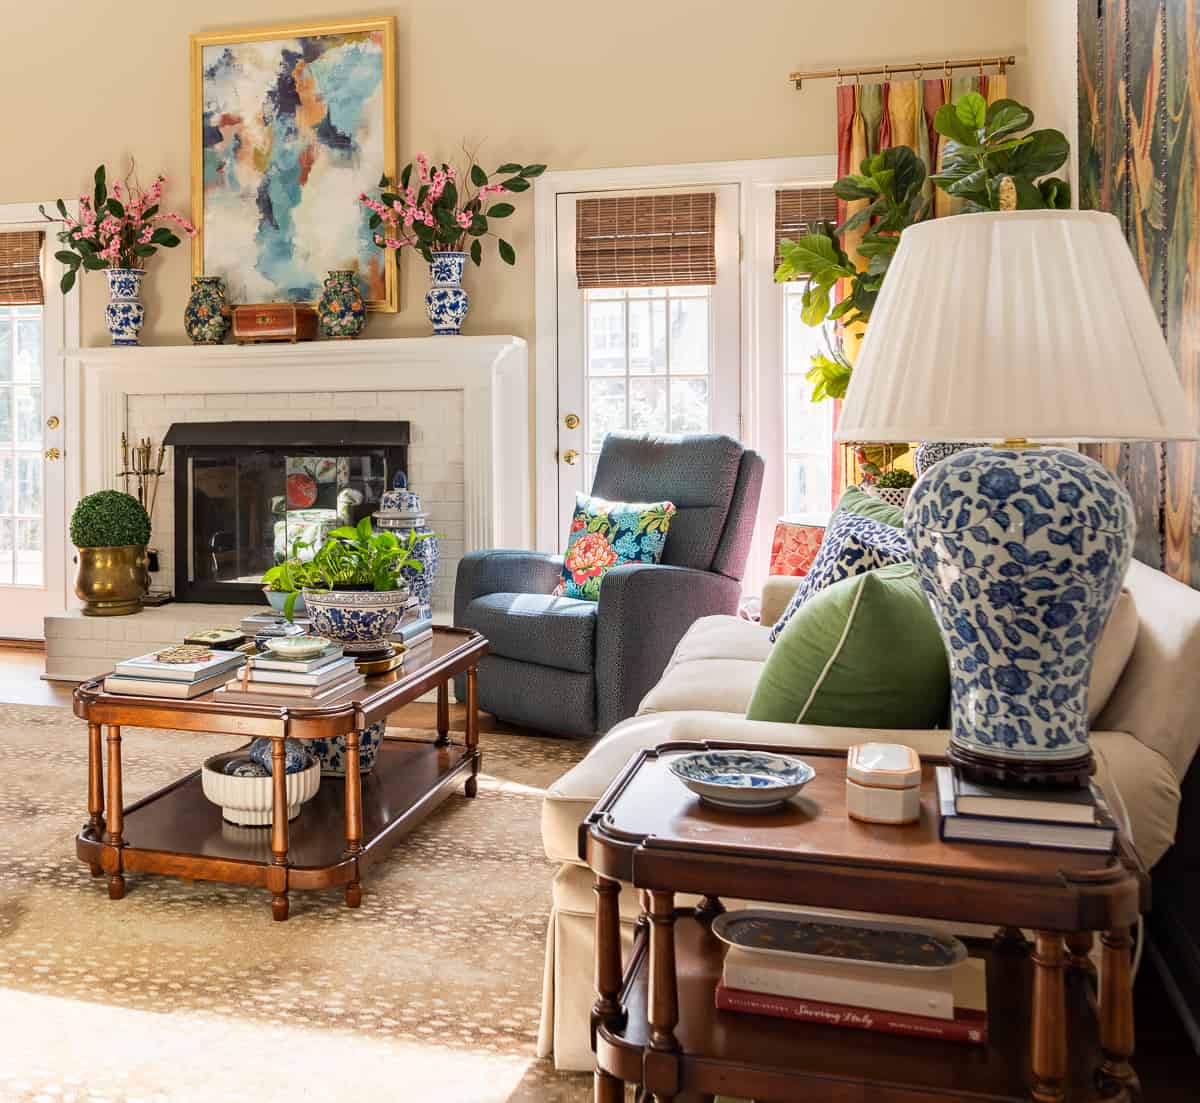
(178, 831)
(771, 1059)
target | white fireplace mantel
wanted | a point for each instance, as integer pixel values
(491, 373)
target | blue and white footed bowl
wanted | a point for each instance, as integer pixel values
(295, 755)
(331, 753)
(1023, 554)
(745, 781)
(124, 312)
(934, 451)
(360, 620)
(446, 302)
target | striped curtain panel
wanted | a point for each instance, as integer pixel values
(871, 117)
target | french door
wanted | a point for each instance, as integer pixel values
(652, 359)
(33, 517)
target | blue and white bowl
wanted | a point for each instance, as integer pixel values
(331, 753)
(745, 781)
(360, 620)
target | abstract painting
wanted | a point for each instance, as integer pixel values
(289, 126)
(1139, 157)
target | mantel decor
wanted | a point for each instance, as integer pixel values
(289, 124)
(1021, 549)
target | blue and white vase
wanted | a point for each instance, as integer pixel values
(446, 302)
(1023, 554)
(331, 753)
(125, 312)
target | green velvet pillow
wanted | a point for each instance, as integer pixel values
(857, 501)
(863, 652)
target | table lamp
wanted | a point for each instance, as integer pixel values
(1007, 330)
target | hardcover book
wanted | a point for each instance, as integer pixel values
(159, 687)
(1024, 802)
(329, 672)
(150, 666)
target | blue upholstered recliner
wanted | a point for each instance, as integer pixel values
(579, 667)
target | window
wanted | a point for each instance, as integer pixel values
(649, 364)
(21, 493)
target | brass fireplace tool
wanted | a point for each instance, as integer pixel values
(145, 473)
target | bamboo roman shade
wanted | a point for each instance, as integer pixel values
(799, 211)
(646, 240)
(21, 268)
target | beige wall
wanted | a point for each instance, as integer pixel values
(1052, 76)
(623, 82)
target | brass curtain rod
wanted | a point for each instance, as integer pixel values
(885, 71)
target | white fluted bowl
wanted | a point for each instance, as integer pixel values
(247, 801)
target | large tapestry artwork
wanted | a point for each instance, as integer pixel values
(1139, 157)
(289, 126)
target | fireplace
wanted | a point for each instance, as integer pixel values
(250, 493)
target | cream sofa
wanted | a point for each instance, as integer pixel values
(1144, 738)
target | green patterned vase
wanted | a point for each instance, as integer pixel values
(341, 311)
(206, 317)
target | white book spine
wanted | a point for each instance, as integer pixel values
(918, 993)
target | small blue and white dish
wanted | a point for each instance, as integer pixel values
(742, 781)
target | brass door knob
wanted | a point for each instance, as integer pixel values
(571, 456)
(52, 422)
(52, 453)
(571, 421)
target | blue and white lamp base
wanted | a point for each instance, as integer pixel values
(1022, 553)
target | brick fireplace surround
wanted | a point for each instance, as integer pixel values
(466, 398)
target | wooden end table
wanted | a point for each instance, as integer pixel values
(339, 832)
(656, 1023)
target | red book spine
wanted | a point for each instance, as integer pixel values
(966, 1026)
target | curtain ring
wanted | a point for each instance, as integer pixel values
(946, 68)
(887, 74)
(858, 79)
(839, 76)
(1002, 68)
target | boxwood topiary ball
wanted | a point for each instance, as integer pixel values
(109, 519)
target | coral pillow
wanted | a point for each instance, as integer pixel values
(605, 535)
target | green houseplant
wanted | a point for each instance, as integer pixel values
(110, 531)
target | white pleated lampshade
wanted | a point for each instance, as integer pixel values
(1021, 324)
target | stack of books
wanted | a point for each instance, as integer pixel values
(296, 681)
(1024, 815)
(151, 676)
(946, 1004)
(261, 627)
(413, 628)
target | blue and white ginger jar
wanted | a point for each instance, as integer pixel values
(125, 313)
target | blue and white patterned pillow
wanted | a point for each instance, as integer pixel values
(853, 545)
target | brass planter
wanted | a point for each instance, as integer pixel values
(111, 581)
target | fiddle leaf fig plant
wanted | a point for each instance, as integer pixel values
(989, 143)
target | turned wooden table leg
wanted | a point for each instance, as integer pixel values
(607, 1010)
(116, 814)
(1116, 1011)
(661, 1063)
(354, 821)
(1049, 1018)
(95, 791)
(1079, 950)
(472, 737)
(443, 714)
(277, 878)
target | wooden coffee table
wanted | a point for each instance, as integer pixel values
(656, 1024)
(338, 833)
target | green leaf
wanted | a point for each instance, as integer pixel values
(1006, 117)
(855, 187)
(67, 281)
(500, 210)
(62, 208)
(477, 252)
(478, 176)
(510, 166)
(116, 208)
(406, 175)
(479, 225)
(507, 253)
(815, 304)
(1045, 151)
(813, 254)
(516, 184)
(72, 260)
(530, 171)
(93, 263)
(859, 218)
(374, 221)
(971, 111)
(145, 250)
(449, 195)
(149, 212)
(101, 190)
(947, 123)
(1056, 193)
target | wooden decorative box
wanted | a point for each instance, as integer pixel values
(274, 322)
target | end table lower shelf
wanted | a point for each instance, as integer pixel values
(767, 1058)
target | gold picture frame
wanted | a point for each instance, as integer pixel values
(244, 287)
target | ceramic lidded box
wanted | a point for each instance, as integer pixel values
(883, 783)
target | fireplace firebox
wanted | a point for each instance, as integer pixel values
(250, 493)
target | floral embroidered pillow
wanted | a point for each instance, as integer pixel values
(605, 535)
